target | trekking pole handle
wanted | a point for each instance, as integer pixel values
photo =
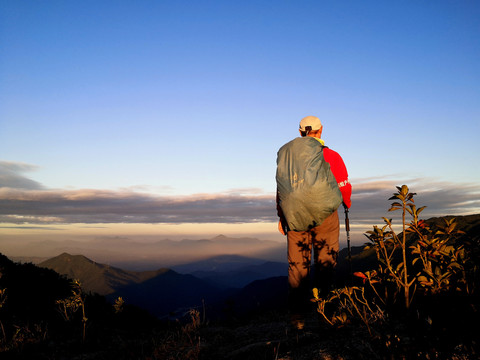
(349, 254)
(347, 220)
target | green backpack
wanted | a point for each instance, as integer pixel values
(307, 190)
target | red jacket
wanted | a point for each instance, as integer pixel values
(340, 172)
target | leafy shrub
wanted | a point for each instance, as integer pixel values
(424, 286)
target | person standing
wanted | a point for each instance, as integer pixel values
(312, 182)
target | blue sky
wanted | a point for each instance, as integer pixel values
(157, 102)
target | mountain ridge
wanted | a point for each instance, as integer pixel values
(96, 277)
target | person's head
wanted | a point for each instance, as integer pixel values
(311, 126)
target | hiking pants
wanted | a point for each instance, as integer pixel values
(323, 242)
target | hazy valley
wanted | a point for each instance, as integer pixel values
(133, 255)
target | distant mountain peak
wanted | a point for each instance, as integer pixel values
(68, 257)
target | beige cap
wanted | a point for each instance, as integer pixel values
(311, 121)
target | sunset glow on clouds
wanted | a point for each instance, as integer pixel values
(30, 206)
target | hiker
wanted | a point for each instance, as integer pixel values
(312, 182)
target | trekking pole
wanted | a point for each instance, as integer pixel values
(347, 228)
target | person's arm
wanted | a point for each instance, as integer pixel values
(282, 224)
(339, 170)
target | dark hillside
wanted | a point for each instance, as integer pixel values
(30, 292)
(244, 275)
(259, 297)
(219, 263)
(470, 224)
(32, 325)
(169, 292)
(95, 277)
(159, 292)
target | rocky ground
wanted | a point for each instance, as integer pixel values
(266, 337)
(279, 339)
(271, 341)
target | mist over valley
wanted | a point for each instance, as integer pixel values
(141, 256)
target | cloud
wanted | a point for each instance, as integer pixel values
(24, 201)
(10, 176)
(28, 202)
(108, 206)
(42, 228)
(370, 198)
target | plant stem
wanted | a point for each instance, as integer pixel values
(404, 253)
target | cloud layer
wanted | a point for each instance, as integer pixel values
(11, 176)
(24, 201)
(102, 206)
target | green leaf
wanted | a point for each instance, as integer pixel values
(420, 209)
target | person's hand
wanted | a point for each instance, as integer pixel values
(281, 228)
